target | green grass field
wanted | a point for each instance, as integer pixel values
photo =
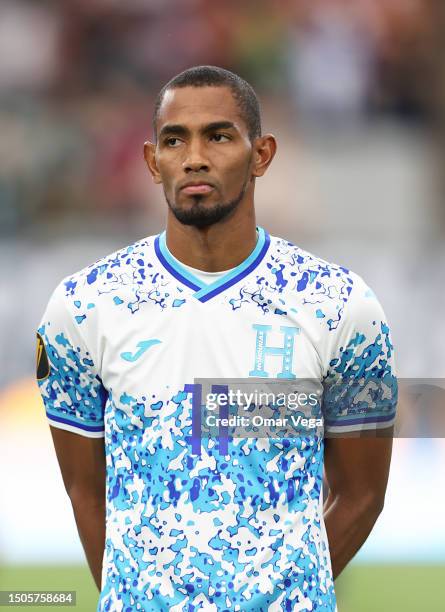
(362, 588)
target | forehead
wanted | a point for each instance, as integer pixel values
(195, 106)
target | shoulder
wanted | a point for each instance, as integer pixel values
(334, 292)
(78, 294)
(289, 254)
(127, 265)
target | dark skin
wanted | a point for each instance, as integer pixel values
(227, 157)
(356, 473)
(202, 136)
(82, 463)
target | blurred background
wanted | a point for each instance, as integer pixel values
(354, 91)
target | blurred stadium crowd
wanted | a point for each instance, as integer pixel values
(78, 78)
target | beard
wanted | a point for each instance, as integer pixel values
(202, 215)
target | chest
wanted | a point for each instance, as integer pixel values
(155, 349)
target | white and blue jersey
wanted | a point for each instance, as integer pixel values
(192, 524)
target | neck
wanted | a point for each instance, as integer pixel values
(218, 247)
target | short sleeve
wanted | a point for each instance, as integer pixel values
(73, 394)
(360, 386)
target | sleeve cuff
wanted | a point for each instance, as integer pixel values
(90, 431)
(363, 423)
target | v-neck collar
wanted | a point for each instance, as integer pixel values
(204, 292)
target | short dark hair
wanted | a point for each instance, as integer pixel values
(207, 76)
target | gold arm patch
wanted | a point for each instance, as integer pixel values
(42, 362)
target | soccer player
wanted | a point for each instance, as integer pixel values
(172, 520)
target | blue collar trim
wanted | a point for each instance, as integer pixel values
(205, 292)
(173, 266)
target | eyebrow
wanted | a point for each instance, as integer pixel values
(183, 131)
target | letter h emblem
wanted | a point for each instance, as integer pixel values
(262, 350)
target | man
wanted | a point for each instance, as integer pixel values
(171, 519)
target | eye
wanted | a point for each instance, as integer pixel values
(220, 137)
(172, 141)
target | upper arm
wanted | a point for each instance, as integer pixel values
(360, 385)
(360, 398)
(73, 396)
(71, 389)
(358, 467)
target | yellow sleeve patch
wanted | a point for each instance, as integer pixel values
(42, 362)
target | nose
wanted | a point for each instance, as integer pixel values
(195, 160)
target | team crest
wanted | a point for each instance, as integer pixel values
(42, 363)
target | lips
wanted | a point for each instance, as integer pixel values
(197, 188)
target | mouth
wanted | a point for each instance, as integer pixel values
(195, 188)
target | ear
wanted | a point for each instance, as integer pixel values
(150, 160)
(265, 148)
